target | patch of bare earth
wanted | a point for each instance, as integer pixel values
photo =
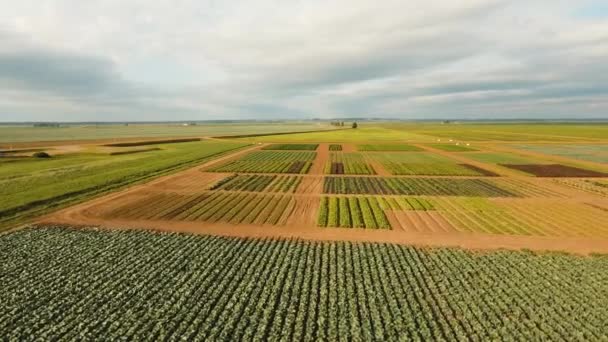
(310, 185)
(318, 165)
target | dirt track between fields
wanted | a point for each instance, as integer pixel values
(409, 227)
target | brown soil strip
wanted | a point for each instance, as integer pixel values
(318, 166)
(554, 170)
(349, 148)
(310, 185)
(469, 241)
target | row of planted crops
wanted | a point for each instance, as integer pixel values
(218, 206)
(79, 284)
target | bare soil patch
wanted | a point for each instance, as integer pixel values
(310, 185)
(318, 166)
(554, 170)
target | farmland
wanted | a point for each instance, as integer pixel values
(348, 163)
(29, 187)
(388, 147)
(423, 163)
(291, 147)
(90, 284)
(270, 162)
(384, 232)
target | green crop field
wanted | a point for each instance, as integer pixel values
(259, 183)
(116, 131)
(75, 284)
(422, 163)
(504, 158)
(595, 153)
(270, 162)
(452, 148)
(348, 163)
(359, 135)
(292, 147)
(388, 147)
(30, 187)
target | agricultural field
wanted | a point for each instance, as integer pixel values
(425, 164)
(293, 147)
(590, 152)
(452, 147)
(307, 237)
(389, 147)
(140, 285)
(16, 135)
(30, 186)
(348, 163)
(270, 162)
(258, 183)
(235, 208)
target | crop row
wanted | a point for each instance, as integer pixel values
(335, 147)
(235, 208)
(415, 186)
(348, 163)
(352, 212)
(259, 183)
(82, 284)
(293, 147)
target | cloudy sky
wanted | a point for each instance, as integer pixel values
(98, 60)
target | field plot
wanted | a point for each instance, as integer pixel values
(389, 147)
(218, 288)
(594, 186)
(503, 158)
(32, 186)
(425, 164)
(268, 183)
(352, 212)
(293, 147)
(554, 170)
(348, 163)
(335, 147)
(269, 162)
(235, 208)
(452, 148)
(416, 187)
(591, 152)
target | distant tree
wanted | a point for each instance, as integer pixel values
(41, 154)
(342, 123)
(355, 125)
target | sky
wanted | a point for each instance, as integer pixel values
(148, 60)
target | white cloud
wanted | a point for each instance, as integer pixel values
(152, 60)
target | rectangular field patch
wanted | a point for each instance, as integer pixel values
(554, 170)
(292, 147)
(452, 148)
(234, 208)
(415, 187)
(352, 212)
(388, 147)
(348, 163)
(269, 162)
(259, 183)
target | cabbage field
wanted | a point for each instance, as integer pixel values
(72, 284)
